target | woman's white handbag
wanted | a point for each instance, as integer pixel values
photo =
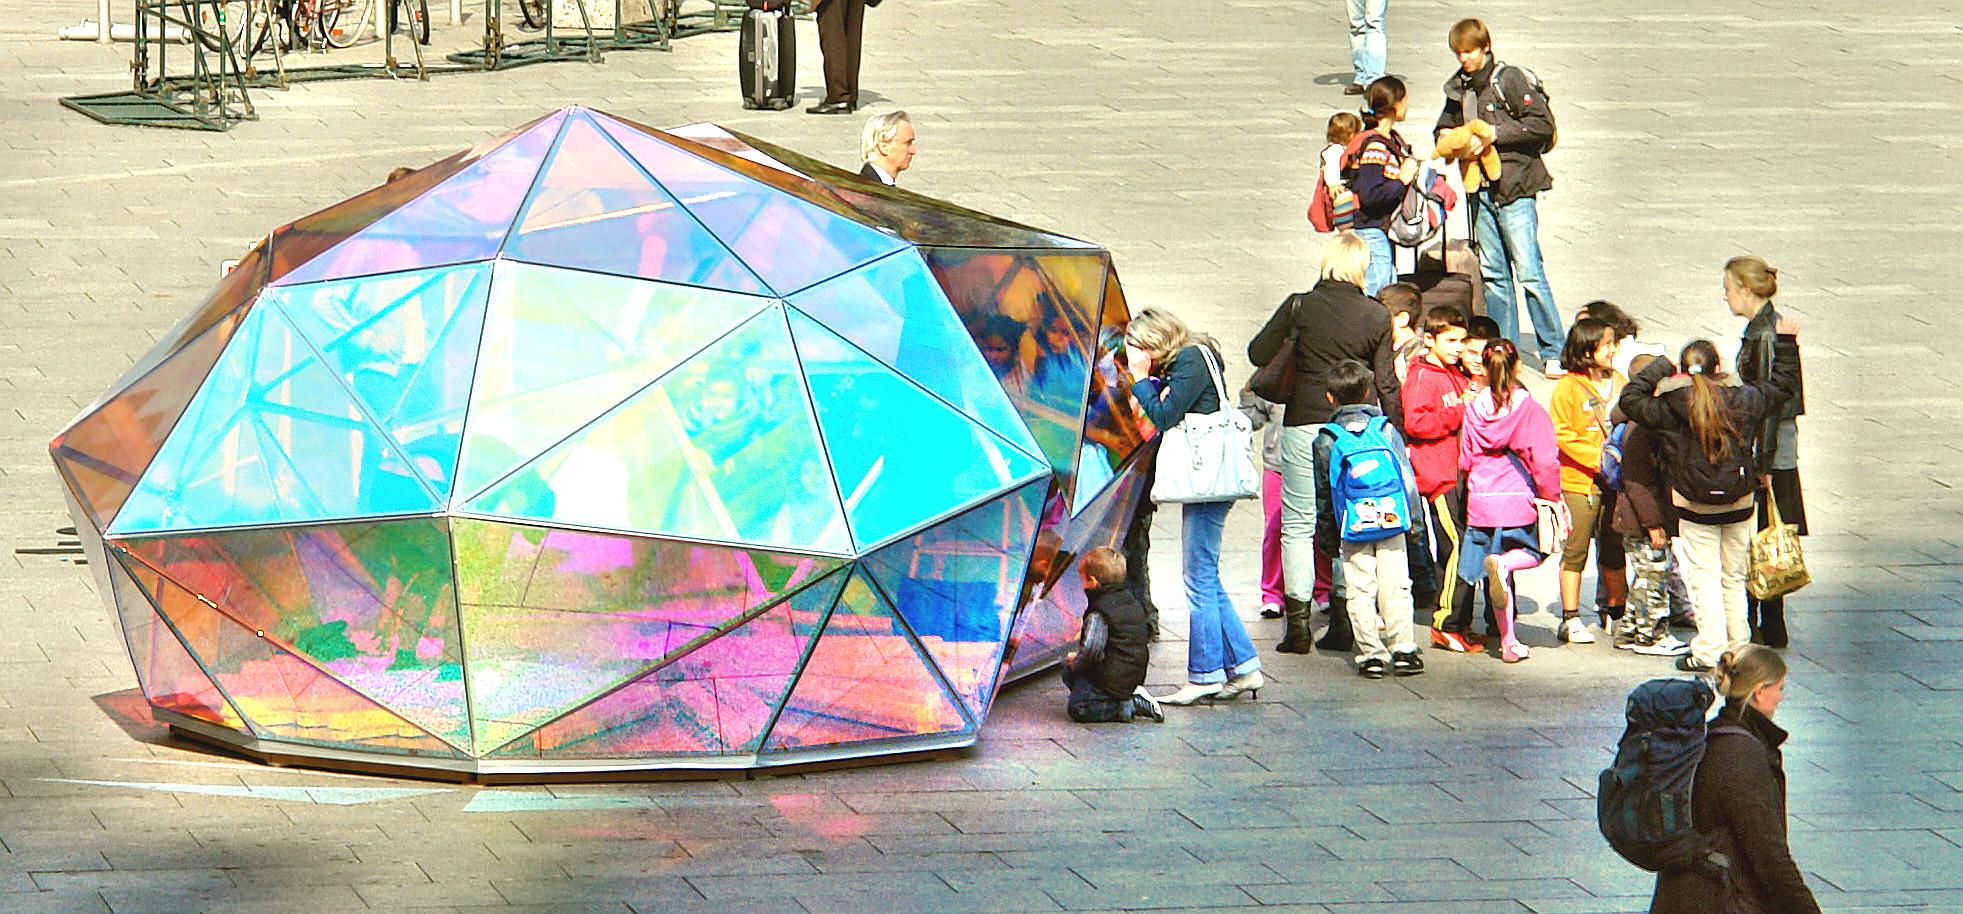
(1208, 456)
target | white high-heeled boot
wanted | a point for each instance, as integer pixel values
(1250, 683)
(1193, 692)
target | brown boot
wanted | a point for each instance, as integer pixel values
(1296, 638)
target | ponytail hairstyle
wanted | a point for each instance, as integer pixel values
(1502, 360)
(1381, 99)
(1753, 275)
(1740, 671)
(1710, 419)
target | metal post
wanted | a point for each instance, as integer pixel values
(456, 12)
(102, 18)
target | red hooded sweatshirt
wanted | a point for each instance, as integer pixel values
(1434, 406)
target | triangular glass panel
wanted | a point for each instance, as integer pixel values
(307, 238)
(723, 449)
(896, 476)
(406, 344)
(866, 679)
(562, 347)
(746, 161)
(235, 292)
(554, 618)
(894, 310)
(171, 680)
(1012, 311)
(1108, 513)
(106, 451)
(370, 604)
(1055, 604)
(272, 437)
(715, 699)
(716, 137)
(595, 209)
(957, 584)
(463, 219)
(914, 217)
(789, 242)
(281, 696)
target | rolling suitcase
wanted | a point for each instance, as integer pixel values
(767, 55)
(1449, 275)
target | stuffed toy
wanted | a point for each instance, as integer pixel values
(1456, 145)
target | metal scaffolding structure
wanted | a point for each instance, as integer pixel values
(198, 86)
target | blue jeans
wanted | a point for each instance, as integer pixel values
(1383, 267)
(1508, 238)
(1217, 644)
(1368, 46)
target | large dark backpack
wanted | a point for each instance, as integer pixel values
(1643, 804)
(1699, 480)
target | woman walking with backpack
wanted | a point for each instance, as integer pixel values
(1739, 801)
(1749, 284)
(1707, 430)
(1507, 455)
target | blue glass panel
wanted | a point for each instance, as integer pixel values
(272, 437)
(902, 458)
(789, 242)
(595, 209)
(562, 347)
(406, 344)
(957, 584)
(465, 218)
(722, 448)
(895, 311)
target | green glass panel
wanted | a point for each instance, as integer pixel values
(554, 618)
(370, 604)
(561, 347)
(723, 448)
(866, 679)
(595, 209)
(902, 457)
(894, 310)
(273, 437)
(714, 699)
(406, 344)
(789, 242)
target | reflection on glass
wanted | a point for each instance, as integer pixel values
(170, 678)
(956, 585)
(554, 618)
(723, 448)
(1053, 600)
(272, 437)
(561, 347)
(865, 680)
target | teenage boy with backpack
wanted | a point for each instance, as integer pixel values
(1505, 225)
(1367, 500)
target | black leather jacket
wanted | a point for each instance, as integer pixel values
(1754, 366)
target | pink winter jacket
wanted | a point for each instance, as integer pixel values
(1496, 496)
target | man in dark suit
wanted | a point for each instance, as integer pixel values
(840, 24)
(887, 146)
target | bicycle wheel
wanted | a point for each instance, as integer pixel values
(419, 24)
(533, 12)
(327, 16)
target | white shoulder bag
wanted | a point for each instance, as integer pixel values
(1208, 456)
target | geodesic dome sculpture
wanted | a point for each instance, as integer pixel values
(595, 448)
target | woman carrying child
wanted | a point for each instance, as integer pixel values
(1384, 170)
(1707, 430)
(1220, 659)
(1507, 454)
(1580, 408)
(1749, 284)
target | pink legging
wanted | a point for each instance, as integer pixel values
(1509, 562)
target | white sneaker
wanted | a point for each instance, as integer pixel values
(1554, 369)
(1574, 631)
(1667, 646)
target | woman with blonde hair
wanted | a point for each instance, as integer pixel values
(1329, 323)
(1738, 801)
(1749, 285)
(1220, 658)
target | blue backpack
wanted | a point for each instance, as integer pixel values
(1643, 801)
(1611, 471)
(1366, 480)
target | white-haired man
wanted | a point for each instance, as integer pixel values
(887, 146)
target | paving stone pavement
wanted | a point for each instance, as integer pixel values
(1182, 137)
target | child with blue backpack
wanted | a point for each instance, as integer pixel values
(1367, 501)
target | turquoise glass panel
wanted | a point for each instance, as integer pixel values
(595, 209)
(273, 437)
(406, 344)
(790, 243)
(957, 585)
(723, 448)
(462, 219)
(894, 310)
(902, 457)
(561, 347)
(866, 679)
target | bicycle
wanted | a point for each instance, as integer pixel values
(417, 15)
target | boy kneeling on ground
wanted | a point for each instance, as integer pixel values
(1106, 671)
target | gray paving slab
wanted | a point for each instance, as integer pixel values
(1182, 138)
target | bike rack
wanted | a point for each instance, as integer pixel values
(210, 96)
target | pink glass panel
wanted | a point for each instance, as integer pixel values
(171, 680)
